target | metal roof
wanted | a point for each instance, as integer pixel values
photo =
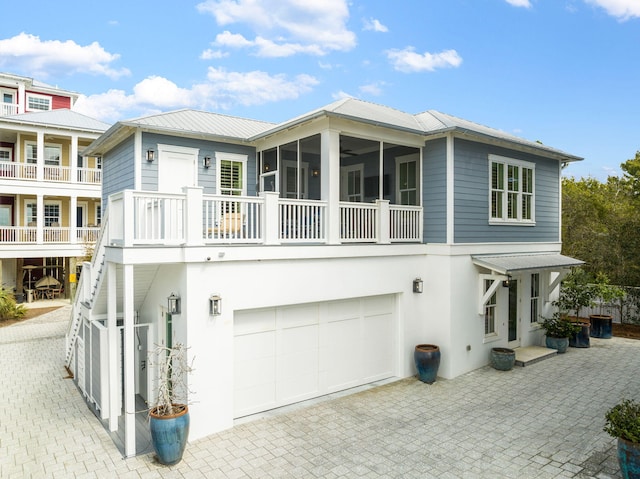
(434, 122)
(61, 118)
(202, 122)
(511, 263)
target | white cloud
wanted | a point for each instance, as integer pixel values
(374, 89)
(341, 95)
(26, 52)
(221, 90)
(407, 60)
(284, 27)
(374, 24)
(519, 3)
(210, 54)
(622, 9)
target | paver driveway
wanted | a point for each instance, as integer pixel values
(541, 421)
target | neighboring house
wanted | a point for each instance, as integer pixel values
(49, 193)
(310, 256)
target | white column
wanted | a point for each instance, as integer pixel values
(39, 218)
(383, 220)
(270, 219)
(450, 191)
(128, 287)
(22, 98)
(112, 333)
(193, 215)
(40, 154)
(330, 182)
(73, 219)
(73, 159)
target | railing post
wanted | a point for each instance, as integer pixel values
(383, 221)
(193, 215)
(128, 218)
(270, 218)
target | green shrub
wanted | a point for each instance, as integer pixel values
(9, 309)
(557, 327)
(623, 420)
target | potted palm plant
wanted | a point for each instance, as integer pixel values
(169, 415)
(558, 331)
(623, 423)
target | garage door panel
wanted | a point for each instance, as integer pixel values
(254, 321)
(255, 346)
(378, 305)
(254, 399)
(296, 316)
(379, 349)
(346, 309)
(343, 361)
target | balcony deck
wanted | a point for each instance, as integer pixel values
(10, 170)
(147, 218)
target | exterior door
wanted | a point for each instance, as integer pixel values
(514, 316)
(177, 167)
(352, 183)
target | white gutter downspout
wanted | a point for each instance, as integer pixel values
(450, 192)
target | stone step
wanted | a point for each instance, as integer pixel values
(532, 354)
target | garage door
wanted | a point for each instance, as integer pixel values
(288, 354)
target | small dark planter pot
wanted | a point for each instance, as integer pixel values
(427, 359)
(169, 435)
(561, 344)
(601, 326)
(629, 458)
(503, 359)
(581, 338)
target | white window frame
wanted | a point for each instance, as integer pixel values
(8, 150)
(402, 160)
(344, 183)
(302, 179)
(28, 219)
(236, 158)
(535, 298)
(490, 312)
(34, 159)
(37, 97)
(505, 192)
(97, 214)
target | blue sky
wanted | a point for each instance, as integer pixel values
(563, 72)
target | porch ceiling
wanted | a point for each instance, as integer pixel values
(512, 263)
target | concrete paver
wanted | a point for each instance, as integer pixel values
(541, 421)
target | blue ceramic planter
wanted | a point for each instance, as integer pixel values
(169, 436)
(427, 359)
(601, 326)
(629, 459)
(581, 338)
(503, 359)
(559, 344)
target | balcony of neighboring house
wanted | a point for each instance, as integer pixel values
(146, 218)
(7, 109)
(51, 173)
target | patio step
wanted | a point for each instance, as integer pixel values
(532, 354)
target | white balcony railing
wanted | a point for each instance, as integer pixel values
(7, 109)
(20, 171)
(142, 217)
(50, 234)
(29, 171)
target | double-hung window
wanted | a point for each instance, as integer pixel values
(490, 312)
(232, 175)
(512, 190)
(535, 297)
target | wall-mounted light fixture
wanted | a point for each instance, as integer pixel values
(417, 285)
(315, 172)
(215, 305)
(151, 155)
(507, 282)
(267, 167)
(206, 162)
(173, 304)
